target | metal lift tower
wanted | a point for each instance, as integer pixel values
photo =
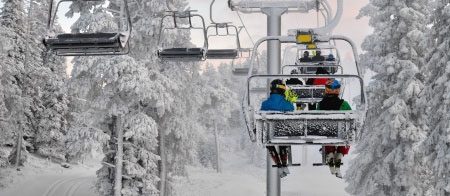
(274, 10)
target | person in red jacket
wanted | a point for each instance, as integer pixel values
(318, 81)
(331, 101)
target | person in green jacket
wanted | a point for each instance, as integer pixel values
(331, 101)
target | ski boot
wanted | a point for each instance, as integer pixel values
(337, 161)
(273, 153)
(330, 163)
(284, 159)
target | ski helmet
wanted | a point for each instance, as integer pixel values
(277, 86)
(332, 87)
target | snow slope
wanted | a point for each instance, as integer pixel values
(241, 179)
(238, 178)
(40, 177)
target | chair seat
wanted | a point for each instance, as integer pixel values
(242, 71)
(222, 54)
(80, 40)
(182, 53)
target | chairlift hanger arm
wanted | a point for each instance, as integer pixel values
(354, 49)
(332, 23)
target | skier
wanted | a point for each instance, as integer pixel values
(305, 57)
(278, 102)
(294, 81)
(318, 81)
(331, 57)
(318, 57)
(331, 101)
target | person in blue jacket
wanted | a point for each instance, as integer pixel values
(278, 102)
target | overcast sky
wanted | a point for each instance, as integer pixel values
(256, 23)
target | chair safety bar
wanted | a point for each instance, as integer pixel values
(361, 81)
(312, 69)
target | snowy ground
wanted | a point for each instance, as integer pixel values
(39, 177)
(238, 179)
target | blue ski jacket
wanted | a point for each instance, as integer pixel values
(277, 102)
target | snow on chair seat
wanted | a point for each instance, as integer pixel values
(306, 127)
(182, 54)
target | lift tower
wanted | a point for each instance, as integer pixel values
(274, 10)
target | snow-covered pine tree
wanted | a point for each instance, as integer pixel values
(387, 163)
(116, 87)
(15, 79)
(176, 113)
(219, 103)
(48, 73)
(6, 134)
(435, 101)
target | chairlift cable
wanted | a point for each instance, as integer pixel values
(250, 37)
(243, 24)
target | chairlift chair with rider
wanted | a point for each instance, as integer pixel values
(336, 128)
(90, 44)
(166, 53)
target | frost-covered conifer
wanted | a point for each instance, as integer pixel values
(435, 101)
(14, 78)
(49, 102)
(116, 88)
(219, 102)
(176, 112)
(387, 163)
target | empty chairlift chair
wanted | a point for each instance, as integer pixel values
(181, 53)
(238, 69)
(230, 30)
(91, 44)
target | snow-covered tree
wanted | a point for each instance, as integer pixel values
(48, 73)
(216, 111)
(388, 160)
(434, 103)
(14, 78)
(176, 112)
(117, 89)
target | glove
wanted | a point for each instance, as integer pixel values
(290, 96)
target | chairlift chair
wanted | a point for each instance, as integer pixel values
(244, 53)
(302, 127)
(90, 44)
(223, 53)
(186, 53)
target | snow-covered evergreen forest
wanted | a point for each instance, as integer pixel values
(173, 115)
